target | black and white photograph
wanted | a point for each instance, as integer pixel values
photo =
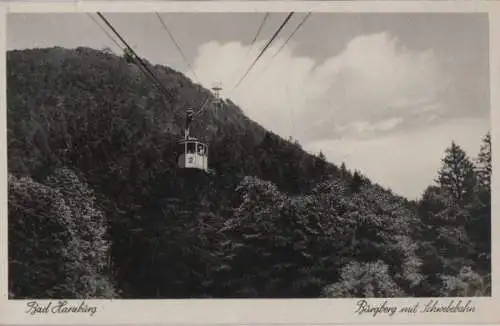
(248, 155)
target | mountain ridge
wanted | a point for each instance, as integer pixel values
(87, 120)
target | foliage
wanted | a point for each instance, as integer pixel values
(49, 256)
(98, 207)
(456, 220)
(88, 228)
(457, 174)
(365, 280)
(466, 283)
(483, 166)
(37, 262)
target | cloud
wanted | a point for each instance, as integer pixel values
(358, 105)
(375, 78)
(406, 162)
(272, 93)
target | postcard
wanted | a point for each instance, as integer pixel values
(249, 162)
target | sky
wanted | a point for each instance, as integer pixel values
(386, 93)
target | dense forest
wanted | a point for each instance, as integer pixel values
(98, 208)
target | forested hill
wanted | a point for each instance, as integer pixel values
(98, 208)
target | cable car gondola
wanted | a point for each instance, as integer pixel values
(193, 152)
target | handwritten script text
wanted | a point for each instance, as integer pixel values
(59, 307)
(364, 307)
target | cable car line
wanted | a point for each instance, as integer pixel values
(143, 64)
(136, 57)
(172, 38)
(264, 49)
(262, 23)
(144, 71)
(179, 49)
(204, 105)
(260, 28)
(287, 40)
(267, 65)
(105, 31)
(290, 109)
(256, 36)
(194, 152)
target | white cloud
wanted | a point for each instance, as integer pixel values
(352, 129)
(408, 162)
(373, 88)
(271, 93)
(373, 79)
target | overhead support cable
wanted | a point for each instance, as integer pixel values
(264, 49)
(262, 23)
(287, 40)
(136, 58)
(105, 31)
(172, 38)
(125, 49)
(257, 34)
(203, 107)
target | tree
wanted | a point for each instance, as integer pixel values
(51, 252)
(344, 174)
(457, 174)
(38, 241)
(467, 283)
(364, 280)
(107, 50)
(252, 235)
(319, 167)
(356, 182)
(455, 218)
(480, 225)
(483, 165)
(322, 156)
(88, 227)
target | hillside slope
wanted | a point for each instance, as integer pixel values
(274, 221)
